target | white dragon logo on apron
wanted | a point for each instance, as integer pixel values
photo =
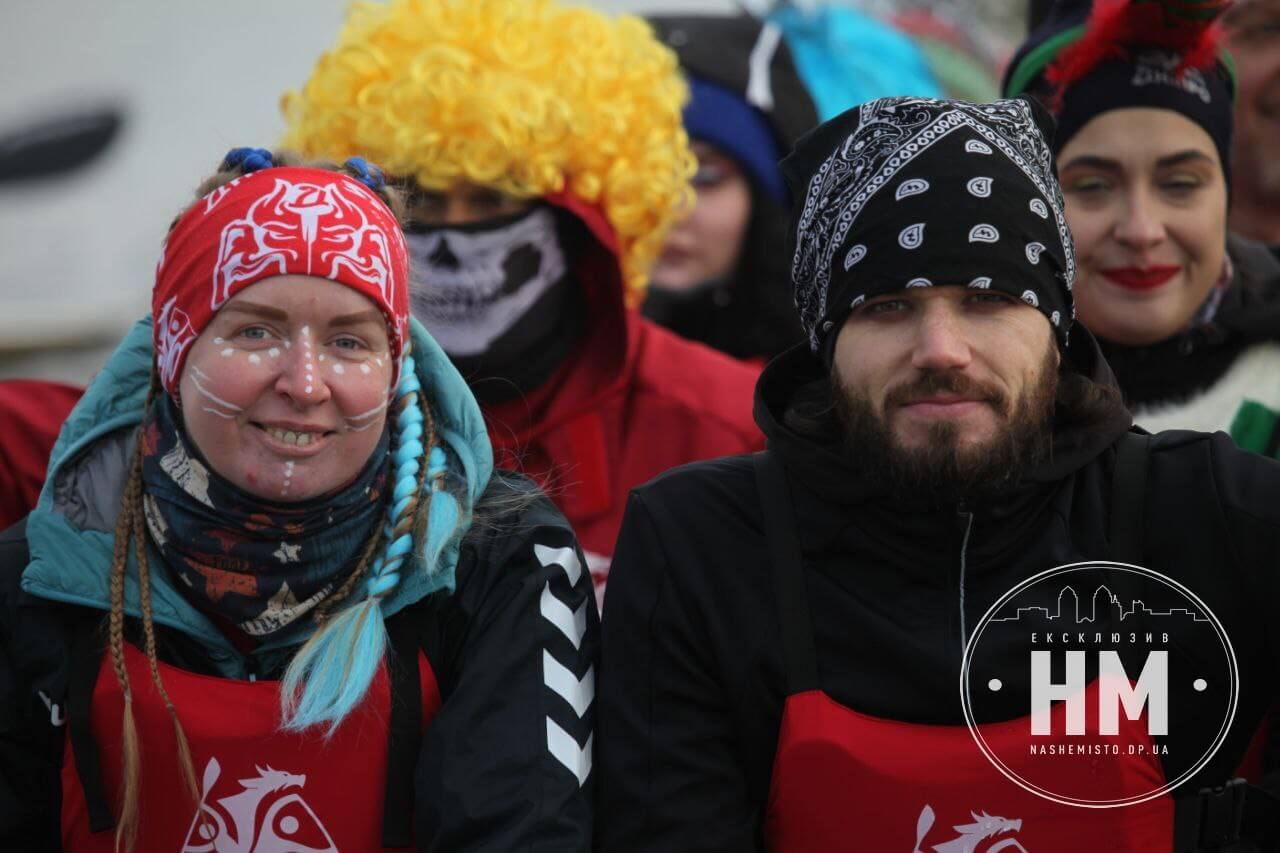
(269, 815)
(984, 827)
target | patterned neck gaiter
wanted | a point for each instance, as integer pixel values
(258, 564)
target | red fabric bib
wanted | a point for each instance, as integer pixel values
(263, 790)
(846, 781)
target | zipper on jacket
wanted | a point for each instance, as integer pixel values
(963, 513)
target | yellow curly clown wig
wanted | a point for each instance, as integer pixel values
(525, 96)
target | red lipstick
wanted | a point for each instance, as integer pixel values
(1141, 278)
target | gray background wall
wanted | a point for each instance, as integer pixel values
(192, 80)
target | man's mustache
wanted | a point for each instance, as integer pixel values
(937, 382)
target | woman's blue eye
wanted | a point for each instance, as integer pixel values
(255, 333)
(347, 343)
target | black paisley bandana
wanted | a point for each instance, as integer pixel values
(916, 192)
(258, 564)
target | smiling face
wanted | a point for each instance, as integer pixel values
(1147, 205)
(706, 244)
(285, 391)
(944, 374)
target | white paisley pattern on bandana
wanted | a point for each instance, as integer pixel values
(891, 133)
(282, 226)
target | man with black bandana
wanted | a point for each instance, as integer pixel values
(544, 148)
(787, 631)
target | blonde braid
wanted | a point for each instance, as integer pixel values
(127, 826)
(130, 526)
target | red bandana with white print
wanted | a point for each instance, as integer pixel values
(274, 222)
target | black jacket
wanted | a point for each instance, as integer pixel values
(482, 776)
(692, 683)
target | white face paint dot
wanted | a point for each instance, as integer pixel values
(379, 361)
(274, 352)
(219, 341)
(306, 330)
(287, 344)
(227, 352)
(309, 388)
(254, 359)
(322, 356)
(364, 368)
(338, 369)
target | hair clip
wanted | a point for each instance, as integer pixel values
(248, 159)
(366, 173)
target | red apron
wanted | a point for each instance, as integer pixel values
(261, 790)
(847, 781)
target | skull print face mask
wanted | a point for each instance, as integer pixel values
(470, 285)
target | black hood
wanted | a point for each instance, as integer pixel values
(825, 471)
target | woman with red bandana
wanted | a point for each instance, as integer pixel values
(274, 583)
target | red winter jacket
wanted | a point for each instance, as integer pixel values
(632, 401)
(31, 415)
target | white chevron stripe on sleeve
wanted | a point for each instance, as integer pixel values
(566, 558)
(565, 749)
(557, 676)
(572, 623)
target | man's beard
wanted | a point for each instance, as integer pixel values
(940, 471)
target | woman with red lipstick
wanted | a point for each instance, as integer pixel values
(1188, 316)
(274, 595)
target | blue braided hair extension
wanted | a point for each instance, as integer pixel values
(331, 673)
(247, 160)
(366, 173)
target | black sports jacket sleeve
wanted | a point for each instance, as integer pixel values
(669, 777)
(507, 764)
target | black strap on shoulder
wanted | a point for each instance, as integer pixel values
(404, 735)
(87, 651)
(1218, 819)
(1128, 494)
(787, 569)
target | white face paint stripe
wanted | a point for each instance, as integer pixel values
(196, 373)
(578, 693)
(368, 414)
(216, 412)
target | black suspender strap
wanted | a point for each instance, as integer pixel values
(1218, 819)
(86, 660)
(404, 734)
(1128, 493)
(787, 569)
